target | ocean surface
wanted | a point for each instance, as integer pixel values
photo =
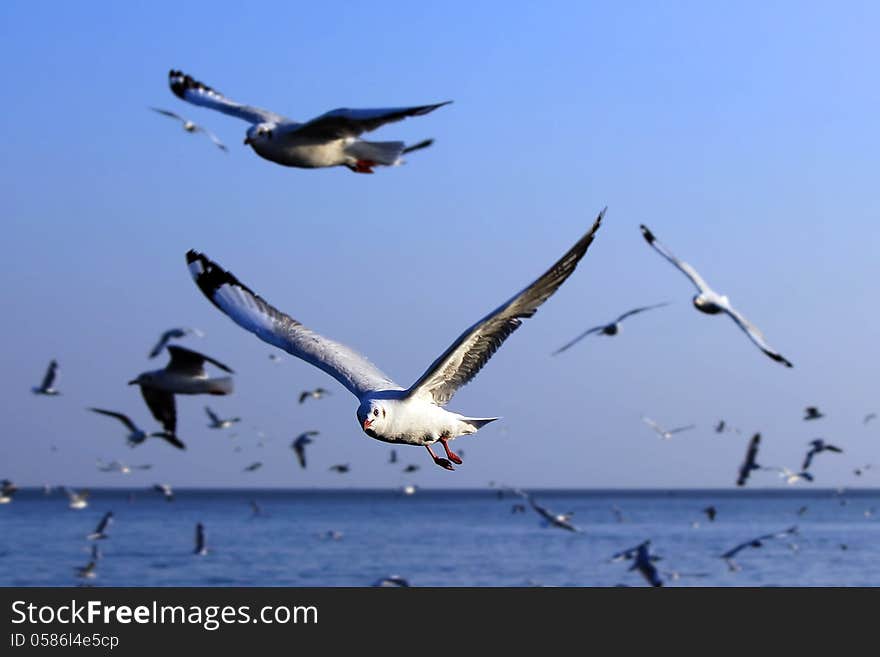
(441, 538)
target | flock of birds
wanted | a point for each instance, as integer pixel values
(413, 415)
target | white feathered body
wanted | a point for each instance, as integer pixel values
(186, 384)
(415, 421)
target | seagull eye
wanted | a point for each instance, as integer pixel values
(375, 412)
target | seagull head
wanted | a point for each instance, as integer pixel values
(144, 378)
(372, 415)
(259, 133)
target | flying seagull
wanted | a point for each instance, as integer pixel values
(173, 334)
(191, 127)
(253, 467)
(166, 490)
(643, 561)
(412, 467)
(184, 375)
(317, 393)
(817, 447)
(663, 433)
(391, 581)
(47, 386)
(869, 417)
(77, 499)
(754, 543)
(560, 520)
(719, 428)
(392, 458)
(122, 468)
(710, 302)
(710, 512)
(387, 411)
(812, 413)
(201, 549)
(101, 530)
(137, 435)
(87, 571)
(299, 446)
(341, 468)
(858, 472)
(331, 139)
(608, 329)
(220, 423)
(7, 491)
(749, 463)
(790, 476)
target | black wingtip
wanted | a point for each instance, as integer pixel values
(647, 234)
(180, 82)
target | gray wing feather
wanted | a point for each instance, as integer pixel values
(569, 345)
(756, 336)
(635, 311)
(192, 91)
(459, 364)
(343, 122)
(119, 416)
(682, 266)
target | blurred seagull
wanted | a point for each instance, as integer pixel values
(392, 458)
(253, 467)
(174, 334)
(331, 139)
(719, 428)
(299, 446)
(750, 462)
(137, 435)
(754, 543)
(77, 499)
(869, 417)
(818, 446)
(608, 329)
(317, 393)
(390, 581)
(184, 375)
(710, 302)
(47, 386)
(560, 520)
(191, 127)
(341, 468)
(812, 413)
(387, 412)
(790, 476)
(256, 510)
(87, 571)
(219, 423)
(101, 530)
(7, 491)
(412, 467)
(166, 490)
(122, 468)
(710, 512)
(201, 548)
(643, 561)
(663, 433)
(858, 472)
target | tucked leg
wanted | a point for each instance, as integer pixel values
(452, 456)
(443, 463)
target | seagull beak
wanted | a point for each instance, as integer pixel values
(247, 141)
(367, 424)
(133, 382)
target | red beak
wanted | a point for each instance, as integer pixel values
(367, 424)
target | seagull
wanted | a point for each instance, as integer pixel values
(663, 433)
(217, 422)
(166, 491)
(257, 511)
(518, 508)
(643, 561)
(116, 466)
(790, 476)
(812, 413)
(7, 491)
(299, 446)
(754, 543)
(174, 334)
(392, 458)
(100, 530)
(47, 386)
(710, 512)
(391, 580)
(412, 467)
(253, 467)
(858, 472)
(818, 446)
(386, 411)
(136, 435)
(77, 499)
(750, 463)
(409, 489)
(710, 302)
(801, 511)
(341, 468)
(191, 127)
(869, 417)
(608, 329)
(331, 139)
(317, 393)
(560, 520)
(87, 571)
(331, 534)
(184, 375)
(719, 428)
(618, 513)
(201, 549)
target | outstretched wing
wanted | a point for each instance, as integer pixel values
(187, 361)
(253, 313)
(473, 349)
(756, 336)
(636, 311)
(119, 416)
(682, 266)
(344, 122)
(168, 113)
(49, 377)
(161, 405)
(192, 91)
(212, 415)
(568, 345)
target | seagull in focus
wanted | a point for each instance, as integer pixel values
(136, 435)
(710, 302)
(166, 491)
(101, 530)
(7, 491)
(812, 413)
(220, 423)
(754, 543)
(750, 463)
(77, 499)
(643, 561)
(183, 375)
(818, 446)
(608, 329)
(317, 393)
(387, 411)
(391, 581)
(192, 128)
(663, 433)
(331, 139)
(173, 334)
(201, 548)
(253, 467)
(47, 387)
(341, 468)
(299, 446)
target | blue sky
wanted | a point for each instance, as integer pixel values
(745, 135)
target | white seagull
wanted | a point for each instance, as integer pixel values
(387, 411)
(173, 334)
(166, 490)
(608, 329)
(101, 530)
(47, 387)
(220, 423)
(332, 139)
(317, 393)
(77, 499)
(664, 433)
(136, 435)
(710, 302)
(191, 127)
(7, 491)
(183, 375)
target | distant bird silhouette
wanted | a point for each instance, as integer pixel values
(253, 467)
(191, 127)
(518, 508)
(88, 571)
(299, 446)
(608, 329)
(710, 512)
(122, 468)
(257, 511)
(392, 458)
(317, 393)
(166, 491)
(101, 530)
(719, 428)
(341, 468)
(332, 535)
(663, 433)
(390, 581)
(801, 511)
(790, 476)
(7, 491)
(173, 334)
(47, 387)
(754, 543)
(220, 423)
(818, 446)
(201, 548)
(77, 499)
(859, 471)
(812, 413)
(560, 520)
(136, 435)
(750, 462)
(618, 513)
(869, 417)
(412, 467)
(643, 561)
